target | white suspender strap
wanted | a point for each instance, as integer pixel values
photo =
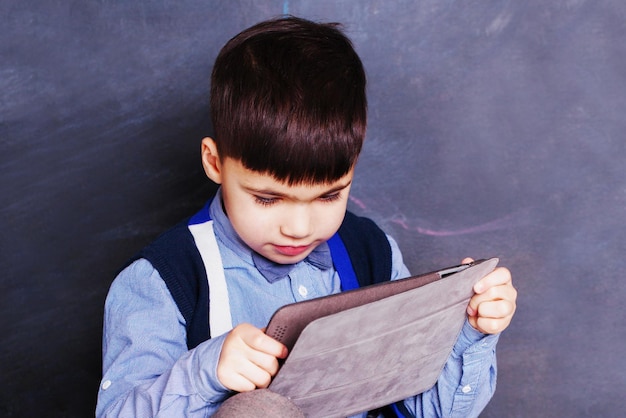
(220, 320)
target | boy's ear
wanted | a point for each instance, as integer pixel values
(211, 160)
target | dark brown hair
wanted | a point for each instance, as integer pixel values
(288, 99)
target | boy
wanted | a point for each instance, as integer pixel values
(183, 321)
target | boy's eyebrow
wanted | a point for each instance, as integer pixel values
(279, 194)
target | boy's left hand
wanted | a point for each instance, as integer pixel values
(491, 309)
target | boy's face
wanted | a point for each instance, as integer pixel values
(281, 222)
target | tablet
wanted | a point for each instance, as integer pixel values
(362, 349)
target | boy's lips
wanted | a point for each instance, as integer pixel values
(291, 251)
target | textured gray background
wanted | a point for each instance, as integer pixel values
(496, 129)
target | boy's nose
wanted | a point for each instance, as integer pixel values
(297, 223)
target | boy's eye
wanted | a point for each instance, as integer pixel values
(265, 201)
(268, 201)
(331, 197)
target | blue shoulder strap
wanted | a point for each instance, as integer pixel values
(342, 263)
(361, 253)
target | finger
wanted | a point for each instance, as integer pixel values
(499, 276)
(237, 382)
(501, 292)
(264, 361)
(256, 375)
(492, 317)
(244, 370)
(262, 342)
(490, 325)
(231, 372)
(467, 260)
(496, 309)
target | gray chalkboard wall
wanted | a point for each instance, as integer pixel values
(497, 128)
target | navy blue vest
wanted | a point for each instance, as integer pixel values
(360, 251)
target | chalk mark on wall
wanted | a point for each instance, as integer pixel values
(514, 219)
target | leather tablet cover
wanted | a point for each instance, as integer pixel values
(373, 351)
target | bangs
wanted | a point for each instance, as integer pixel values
(298, 155)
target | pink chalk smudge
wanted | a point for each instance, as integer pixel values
(500, 223)
(513, 219)
(357, 202)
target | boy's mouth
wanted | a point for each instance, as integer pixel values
(290, 250)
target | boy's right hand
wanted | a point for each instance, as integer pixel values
(249, 359)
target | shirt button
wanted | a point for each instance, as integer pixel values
(303, 291)
(466, 389)
(106, 384)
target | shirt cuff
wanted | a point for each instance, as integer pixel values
(205, 358)
(471, 341)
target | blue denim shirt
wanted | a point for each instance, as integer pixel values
(149, 372)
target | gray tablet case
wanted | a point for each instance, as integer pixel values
(370, 347)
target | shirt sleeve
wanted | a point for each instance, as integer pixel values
(468, 379)
(147, 369)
